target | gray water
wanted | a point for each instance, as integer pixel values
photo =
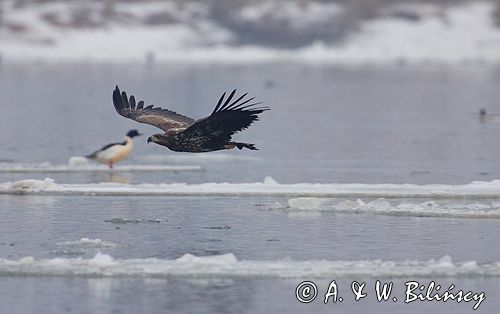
(326, 124)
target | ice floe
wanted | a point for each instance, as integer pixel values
(227, 265)
(123, 221)
(79, 166)
(88, 243)
(269, 187)
(381, 206)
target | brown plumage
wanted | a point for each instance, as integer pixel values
(183, 134)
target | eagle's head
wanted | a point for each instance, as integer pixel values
(160, 139)
(152, 138)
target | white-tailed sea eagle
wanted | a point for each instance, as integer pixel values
(183, 134)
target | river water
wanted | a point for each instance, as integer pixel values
(225, 251)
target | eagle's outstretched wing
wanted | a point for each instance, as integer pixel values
(227, 118)
(161, 118)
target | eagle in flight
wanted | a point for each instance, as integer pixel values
(183, 134)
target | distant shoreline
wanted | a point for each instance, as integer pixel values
(463, 34)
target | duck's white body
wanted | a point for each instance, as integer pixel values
(115, 152)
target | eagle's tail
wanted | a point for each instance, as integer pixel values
(245, 145)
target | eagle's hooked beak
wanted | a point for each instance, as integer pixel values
(150, 139)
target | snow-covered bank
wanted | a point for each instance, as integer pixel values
(227, 265)
(459, 34)
(269, 187)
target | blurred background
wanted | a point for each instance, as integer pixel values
(337, 31)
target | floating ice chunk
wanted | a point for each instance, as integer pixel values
(226, 265)
(89, 243)
(349, 205)
(379, 204)
(27, 260)
(270, 181)
(428, 204)
(92, 241)
(445, 261)
(77, 165)
(102, 260)
(277, 205)
(227, 258)
(269, 187)
(131, 221)
(406, 205)
(60, 262)
(29, 185)
(469, 266)
(77, 161)
(305, 203)
(479, 206)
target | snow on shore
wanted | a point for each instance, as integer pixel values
(457, 34)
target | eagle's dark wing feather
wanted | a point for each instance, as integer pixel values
(227, 118)
(161, 118)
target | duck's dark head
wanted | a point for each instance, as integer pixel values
(133, 133)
